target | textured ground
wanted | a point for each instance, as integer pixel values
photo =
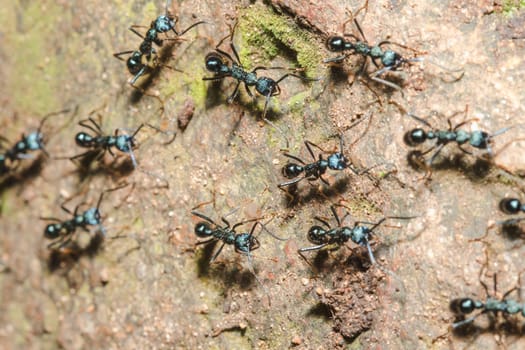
(148, 286)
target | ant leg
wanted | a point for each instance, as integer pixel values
(234, 93)
(433, 157)
(84, 124)
(308, 145)
(206, 241)
(323, 222)
(244, 222)
(467, 320)
(140, 73)
(144, 92)
(296, 76)
(291, 182)
(294, 158)
(248, 91)
(190, 27)
(375, 78)
(132, 28)
(323, 180)
(118, 54)
(300, 251)
(202, 216)
(271, 233)
(218, 252)
(334, 212)
(510, 222)
(337, 59)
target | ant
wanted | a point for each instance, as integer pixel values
(216, 63)
(145, 60)
(32, 142)
(359, 233)
(464, 306)
(384, 60)
(243, 243)
(511, 206)
(477, 139)
(62, 231)
(316, 169)
(102, 143)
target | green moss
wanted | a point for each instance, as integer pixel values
(36, 65)
(266, 35)
(509, 7)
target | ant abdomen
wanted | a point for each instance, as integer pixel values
(462, 306)
(316, 234)
(415, 137)
(336, 43)
(510, 205)
(202, 229)
(292, 170)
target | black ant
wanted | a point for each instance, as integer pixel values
(216, 63)
(315, 170)
(244, 242)
(383, 60)
(145, 60)
(102, 143)
(476, 139)
(62, 231)
(464, 306)
(34, 141)
(359, 233)
(511, 206)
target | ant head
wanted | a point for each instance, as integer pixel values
(292, 170)
(335, 43)
(462, 306)
(134, 62)
(480, 139)
(337, 161)
(267, 86)
(510, 205)
(392, 59)
(316, 234)
(92, 216)
(415, 137)
(202, 229)
(52, 231)
(245, 243)
(83, 139)
(360, 235)
(164, 23)
(214, 62)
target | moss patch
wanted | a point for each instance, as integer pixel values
(509, 7)
(266, 35)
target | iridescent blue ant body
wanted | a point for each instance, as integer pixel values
(243, 243)
(328, 236)
(316, 169)
(34, 141)
(61, 231)
(102, 143)
(511, 206)
(145, 59)
(216, 62)
(476, 139)
(464, 306)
